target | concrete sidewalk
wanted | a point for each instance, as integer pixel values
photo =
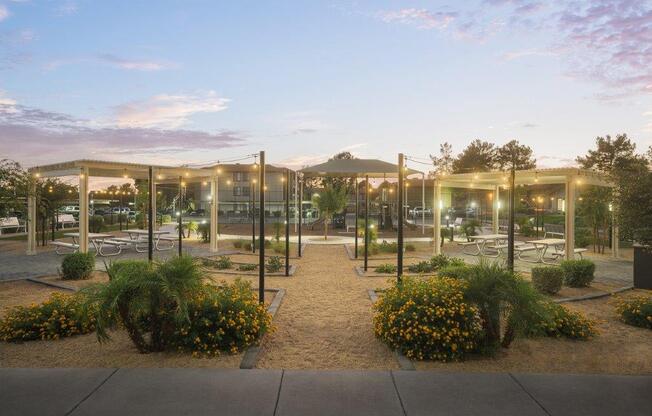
(276, 392)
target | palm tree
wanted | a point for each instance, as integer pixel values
(330, 202)
(148, 300)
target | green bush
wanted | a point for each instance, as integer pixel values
(223, 262)
(373, 231)
(410, 247)
(77, 266)
(454, 271)
(578, 273)
(238, 243)
(386, 247)
(583, 237)
(148, 300)
(547, 279)
(374, 249)
(427, 319)
(273, 264)
(166, 219)
(435, 263)
(278, 247)
(222, 318)
(558, 321)
(636, 311)
(420, 267)
(96, 224)
(59, 316)
(204, 230)
(109, 219)
(469, 228)
(385, 268)
(247, 267)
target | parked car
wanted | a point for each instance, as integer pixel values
(70, 209)
(120, 210)
(417, 211)
(198, 213)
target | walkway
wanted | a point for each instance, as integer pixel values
(276, 392)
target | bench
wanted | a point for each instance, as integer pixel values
(553, 230)
(71, 247)
(465, 244)
(349, 221)
(63, 219)
(577, 251)
(117, 244)
(11, 222)
(169, 240)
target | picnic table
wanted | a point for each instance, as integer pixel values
(98, 240)
(483, 248)
(541, 248)
(140, 237)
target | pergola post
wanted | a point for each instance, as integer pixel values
(399, 251)
(510, 229)
(261, 233)
(570, 218)
(180, 219)
(366, 223)
(83, 210)
(214, 211)
(31, 219)
(495, 212)
(154, 204)
(437, 217)
(423, 203)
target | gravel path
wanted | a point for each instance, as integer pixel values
(325, 321)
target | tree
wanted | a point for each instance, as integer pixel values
(345, 183)
(635, 208)
(14, 184)
(444, 162)
(615, 158)
(330, 201)
(594, 207)
(514, 155)
(478, 156)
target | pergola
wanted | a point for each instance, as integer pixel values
(154, 174)
(358, 168)
(571, 178)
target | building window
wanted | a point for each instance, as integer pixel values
(241, 191)
(240, 176)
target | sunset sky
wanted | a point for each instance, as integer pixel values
(173, 82)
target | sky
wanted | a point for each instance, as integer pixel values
(191, 82)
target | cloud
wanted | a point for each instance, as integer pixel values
(113, 61)
(420, 18)
(300, 122)
(510, 56)
(4, 12)
(38, 135)
(167, 111)
(66, 8)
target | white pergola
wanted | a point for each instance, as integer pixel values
(84, 169)
(571, 178)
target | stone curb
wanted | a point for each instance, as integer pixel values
(251, 354)
(359, 270)
(403, 362)
(594, 296)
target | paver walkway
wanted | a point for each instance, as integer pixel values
(169, 391)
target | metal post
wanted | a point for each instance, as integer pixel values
(215, 201)
(253, 216)
(423, 204)
(436, 220)
(366, 222)
(83, 210)
(300, 215)
(120, 211)
(180, 220)
(261, 233)
(399, 252)
(569, 233)
(287, 222)
(150, 216)
(357, 214)
(510, 232)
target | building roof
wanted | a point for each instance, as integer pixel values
(356, 167)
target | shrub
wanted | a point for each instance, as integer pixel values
(636, 311)
(225, 318)
(559, 321)
(427, 319)
(77, 266)
(454, 271)
(204, 230)
(278, 247)
(502, 296)
(435, 263)
(386, 268)
(109, 219)
(59, 316)
(547, 279)
(238, 243)
(147, 300)
(578, 273)
(374, 248)
(273, 264)
(386, 247)
(223, 262)
(166, 218)
(469, 228)
(373, 231)
(96, 224)
(410, 247)
(420, 267)
(247, 267)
